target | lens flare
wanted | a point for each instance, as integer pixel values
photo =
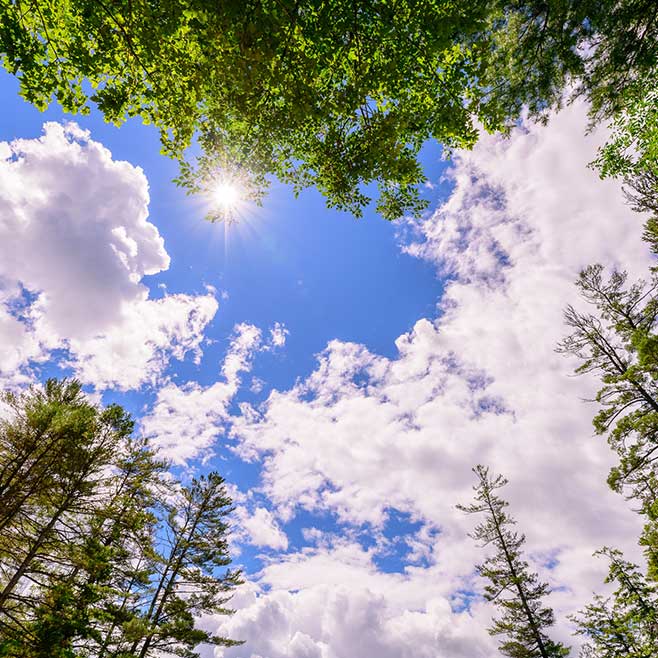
(226, 196)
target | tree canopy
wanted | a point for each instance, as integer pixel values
(102, 552)
(335, 94)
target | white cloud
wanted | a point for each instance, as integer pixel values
(257, 385)
(75, 228)
(479, 383)
(261, 528)
(334, 603)
(278, 335)
(341, 622)
(136, 350)
(186, 420)
(74, 245)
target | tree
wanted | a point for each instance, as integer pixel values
(86, 605)
(336, 94)
(192, 550)
(57, 459)
(618, 342)
(117, 558)
(512, 587)
(604, 49)
(94, 556)
(631, 152)
(79, 441)
(626, 624)
(30, 443)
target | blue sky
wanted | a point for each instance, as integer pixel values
(344, 375)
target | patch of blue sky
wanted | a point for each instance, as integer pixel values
(313, 527)
(54, 367)
(462, 599)
(250, 559)
(18, 306)
(395, 552)
(491, 405)
(547, 559)
(134, 402)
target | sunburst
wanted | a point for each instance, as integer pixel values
(226, 198)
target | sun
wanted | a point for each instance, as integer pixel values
(226, 196)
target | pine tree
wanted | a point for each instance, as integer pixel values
(512, 587)
(118, 557)
(58, 477)
(31, 442)
(82, 440)
(625, 624)
(191, 578)
(115, 559)
(102, 553)
(617, 341)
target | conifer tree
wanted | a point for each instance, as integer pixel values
(98, 558)
(83, 440)
(118, 557)
(88, 604)
(31, 442)
(57, 478)
(512, 587)
(625, 624)
(191, 576)
(617, 341)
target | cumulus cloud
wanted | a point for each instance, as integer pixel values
(260, 528)
(334, 602)
(341, 622)
(185, 420)
(75, 242)
(479, 383)
(136, 350)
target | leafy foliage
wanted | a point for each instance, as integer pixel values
(632, 150)
(512, 587)
(336, 94)
(603, 49)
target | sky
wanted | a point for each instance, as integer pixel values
(343, 375)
